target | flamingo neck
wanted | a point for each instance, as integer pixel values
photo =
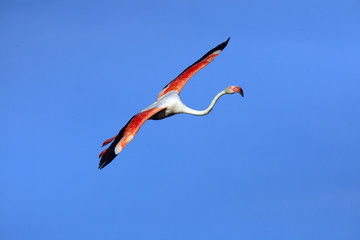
(208, 109)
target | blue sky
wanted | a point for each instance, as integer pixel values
(281, 163)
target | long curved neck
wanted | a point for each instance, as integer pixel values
(206, 111)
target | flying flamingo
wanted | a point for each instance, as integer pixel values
(168, 103)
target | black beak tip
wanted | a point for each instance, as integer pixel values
(241, 93)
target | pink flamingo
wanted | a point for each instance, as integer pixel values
(168, 103)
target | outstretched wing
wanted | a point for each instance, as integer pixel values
(178, 83)
(125, 136)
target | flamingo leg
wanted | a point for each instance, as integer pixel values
(109, 141)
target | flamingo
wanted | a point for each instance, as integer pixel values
(168, 103)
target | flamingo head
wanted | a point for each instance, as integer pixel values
(234, 89)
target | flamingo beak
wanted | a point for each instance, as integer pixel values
(241, 92)
(236, 89)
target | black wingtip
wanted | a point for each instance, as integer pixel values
(226, 42)
(100, 166)
(222, 45)
(104, 162)
(109, 155)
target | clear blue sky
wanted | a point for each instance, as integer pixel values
(281, 163)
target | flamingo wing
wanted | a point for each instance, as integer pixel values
(125, 136)
(178, 83)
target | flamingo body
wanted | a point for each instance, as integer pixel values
(167, 104)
